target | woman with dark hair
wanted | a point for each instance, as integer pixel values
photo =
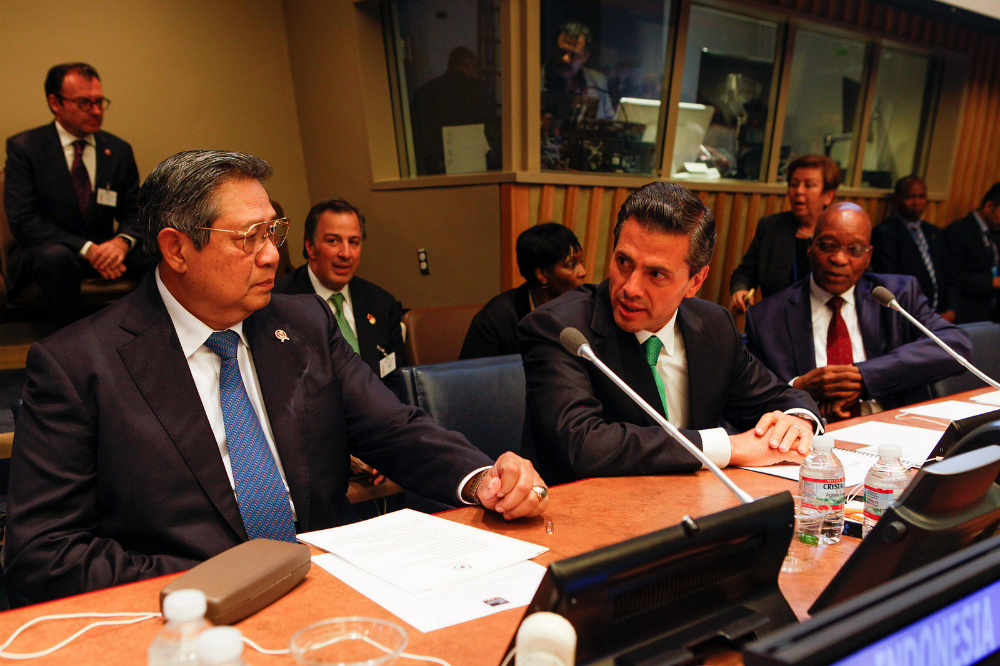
(548, 257)
(777, 254)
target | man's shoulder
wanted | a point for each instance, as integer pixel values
(361, 287)
(293, 282)
(781, 300)
(897, 284)
(107, 138)
(963, 224)
(572, 308)
(33, 136)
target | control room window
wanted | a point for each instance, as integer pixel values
(726, 96)
(824, 99)
(603, 65)
(444, 62)
(900, 112)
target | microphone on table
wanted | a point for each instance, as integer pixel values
(576, 344)
(886, 298)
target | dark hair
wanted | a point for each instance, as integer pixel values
(543, 246)
(831, 172)
(180, 192)
(574, 29)
(670, 208)
(993, 194)
(334, 206)
(903, 182)
(54, 79)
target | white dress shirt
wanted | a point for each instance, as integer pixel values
(325, 293)
(821, 317)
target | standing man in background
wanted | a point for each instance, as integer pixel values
(906, 245)
(974, 261)
(65, 185)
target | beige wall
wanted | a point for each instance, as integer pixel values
(182, 74)
(339, 70)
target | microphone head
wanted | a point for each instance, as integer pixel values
(573, 340)
(883, 296)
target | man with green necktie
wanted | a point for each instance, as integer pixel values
(682, 354)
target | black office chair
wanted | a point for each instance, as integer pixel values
(985, 337)
(482, 398)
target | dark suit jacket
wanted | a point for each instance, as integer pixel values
(579, 424)
(768, 261)
(116, 475)
(970, 260)
(901, 363)
(377, 317)
(493, 331)
(896, 252)
(41, 204)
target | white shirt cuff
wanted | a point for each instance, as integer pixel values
(85, 249)
(465, 481)
(128, 239)
(715, 444)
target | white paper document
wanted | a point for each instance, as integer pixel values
(951, 410)
(510, 587)
(856, 467)
(418, 552)
(992, 398)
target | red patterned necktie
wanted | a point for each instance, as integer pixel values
(838, 341)
(81, 181)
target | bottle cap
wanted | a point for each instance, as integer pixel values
(220, 645)
(184, 606)
(822, 443)
(890, 451)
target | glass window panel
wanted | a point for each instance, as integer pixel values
(898, 118)
(602, 66)
(725, 96)
(824, 99)
(445, 57)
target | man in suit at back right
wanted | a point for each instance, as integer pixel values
(974, 260)
(907, 245)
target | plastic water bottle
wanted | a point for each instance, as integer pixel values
(177, 642)
(221, 646)
(885, 481)
(821, 485)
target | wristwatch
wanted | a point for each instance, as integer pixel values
(471, 494)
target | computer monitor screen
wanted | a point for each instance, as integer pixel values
(666, 592)
(946, 507)
(943, 613)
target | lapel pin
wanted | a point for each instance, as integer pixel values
(281, 335)
(371, 319)
(107, 151)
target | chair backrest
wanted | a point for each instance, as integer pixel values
(985, 337)
(435, 335)
(482, 398)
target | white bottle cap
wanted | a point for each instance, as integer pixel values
(823, 443)
(220, 645)
(185, 606)
(890, 451)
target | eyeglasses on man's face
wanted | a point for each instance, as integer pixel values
(257, 234)
(856, 250)
(86, 104)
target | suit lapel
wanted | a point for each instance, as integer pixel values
(104, 157)
(56, 158)
(160, 371)
(360, 302)
(700, 361)
(868, 318)
(280, 365)
(798, 322)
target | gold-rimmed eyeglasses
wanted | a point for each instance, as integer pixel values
(257, 234)
(855, 250)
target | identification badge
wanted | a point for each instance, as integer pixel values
(387, 364)
(106, 197)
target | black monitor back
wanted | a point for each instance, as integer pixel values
(957, 430)
(665, 592)
(946, 507)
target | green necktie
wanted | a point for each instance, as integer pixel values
(345, 326)
(653, 346)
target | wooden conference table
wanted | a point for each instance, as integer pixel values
(585, 515)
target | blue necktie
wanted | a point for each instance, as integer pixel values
(260, 491)
(925, 254)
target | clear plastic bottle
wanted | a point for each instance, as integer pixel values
(885, 481)
(177, 642)
(821, 485)
(221, 646)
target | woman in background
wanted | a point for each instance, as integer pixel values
(549, 259)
